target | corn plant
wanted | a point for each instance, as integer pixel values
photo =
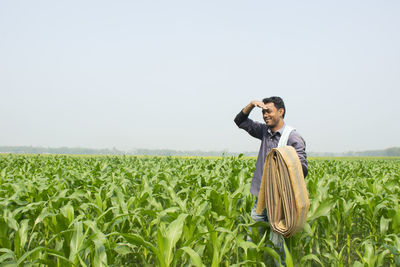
(172, 211)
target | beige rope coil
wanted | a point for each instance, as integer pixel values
(283, 191)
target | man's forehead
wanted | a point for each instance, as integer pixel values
(270, 105)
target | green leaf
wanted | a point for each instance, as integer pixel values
(27, 254)
(194, 257)
(272, 253)
(11, 222)
(323, 209)
(9, 264)
(122, 250)
(307, 229)
(246, 245)
(138, 240)
(68, 212)
(57, 254)
(288, 256)
(248, 263)
(310, 257)
(23, 233)
(77, 241)
(173, 233)
(384, 225)
(100, 256)
(43, 215)
(358, 264)
(8, 254)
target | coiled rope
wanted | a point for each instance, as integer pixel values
(283, 191)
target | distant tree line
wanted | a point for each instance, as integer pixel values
(389, 152)
(171, 152)
(59, 150)
(114, 151)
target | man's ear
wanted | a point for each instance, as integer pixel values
(281, 111)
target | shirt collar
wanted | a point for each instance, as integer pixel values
(280, 131)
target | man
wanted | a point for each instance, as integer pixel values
(273, 111)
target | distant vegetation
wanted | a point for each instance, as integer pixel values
(58, 150)
(389, 152)
(114, 151)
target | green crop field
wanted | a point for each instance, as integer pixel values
(172, 211)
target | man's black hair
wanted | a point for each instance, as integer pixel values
(278, 103)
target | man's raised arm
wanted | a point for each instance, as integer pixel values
(242, 116)
(243, 122)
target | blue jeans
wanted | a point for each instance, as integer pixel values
(275, 238)
(258, 217)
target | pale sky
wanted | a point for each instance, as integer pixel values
(174, 74)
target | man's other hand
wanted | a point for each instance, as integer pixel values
(257, 103)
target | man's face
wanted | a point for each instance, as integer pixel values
(272, 115)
